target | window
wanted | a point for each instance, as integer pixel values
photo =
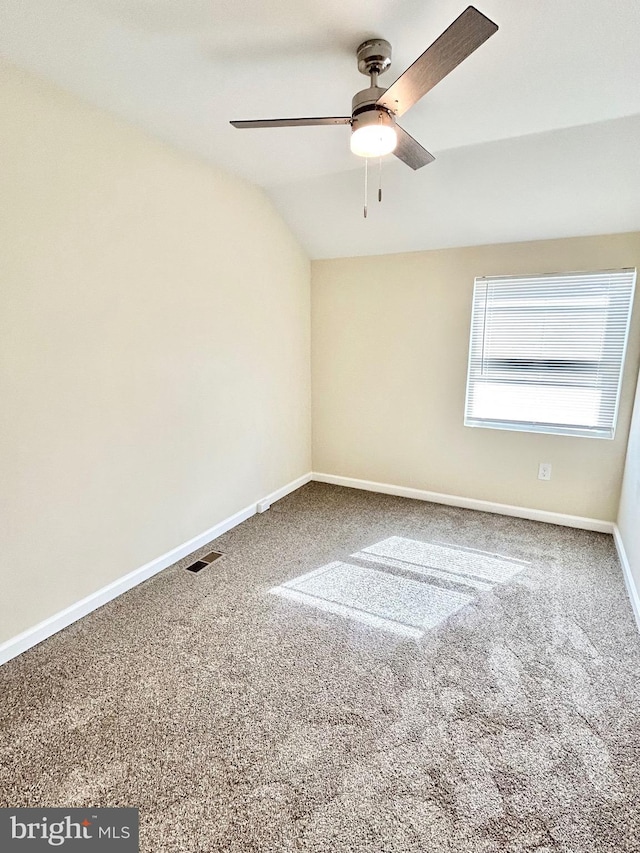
(546, 352)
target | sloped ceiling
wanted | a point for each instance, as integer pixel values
(535, 135)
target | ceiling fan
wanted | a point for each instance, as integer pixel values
(374, 131)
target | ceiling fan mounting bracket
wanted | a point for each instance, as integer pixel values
(374, 57)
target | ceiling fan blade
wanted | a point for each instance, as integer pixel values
(455, 44)
(410, 151)
(291, 122)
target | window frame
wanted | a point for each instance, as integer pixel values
(544, 427)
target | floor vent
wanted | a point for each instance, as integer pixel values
(209, 558)
(199, 565)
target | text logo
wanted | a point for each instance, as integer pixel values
(105, 830)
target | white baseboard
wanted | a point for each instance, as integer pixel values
(31, 637)
(632, 589)
(469, 503)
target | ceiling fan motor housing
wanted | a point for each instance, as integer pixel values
(365, 109)
(366, 99)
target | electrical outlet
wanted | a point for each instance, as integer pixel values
(544, 471)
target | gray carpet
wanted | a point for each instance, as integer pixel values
(357, 673)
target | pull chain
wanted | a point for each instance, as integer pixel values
(366, 184)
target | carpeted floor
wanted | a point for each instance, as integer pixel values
(357, 673)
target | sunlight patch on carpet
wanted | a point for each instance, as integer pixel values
(379, 597)
(464, 565)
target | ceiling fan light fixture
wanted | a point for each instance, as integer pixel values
(373, 134)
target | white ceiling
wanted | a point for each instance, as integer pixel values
(536, 134)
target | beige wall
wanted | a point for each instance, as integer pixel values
(629, 512)
(389, 361)
(154, 350)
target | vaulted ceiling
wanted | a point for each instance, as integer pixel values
(536, 134)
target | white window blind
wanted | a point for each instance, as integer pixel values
(546, 352)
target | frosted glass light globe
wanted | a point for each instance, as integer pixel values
(374, 140)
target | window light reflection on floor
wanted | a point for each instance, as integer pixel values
(462, 563)
(404, 603)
